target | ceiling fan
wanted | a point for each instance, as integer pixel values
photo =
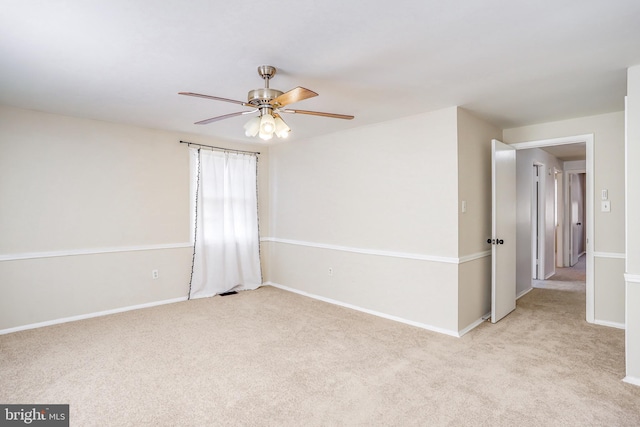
(269, 103)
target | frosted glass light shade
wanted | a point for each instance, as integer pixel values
(265, 135)
(282, 130)
(252, 127)
(267, 124)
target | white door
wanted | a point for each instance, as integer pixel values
(503, 230)
(576, 190)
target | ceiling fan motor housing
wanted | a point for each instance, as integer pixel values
(262, 96)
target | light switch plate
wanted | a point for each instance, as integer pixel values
(605, 206)
(605, 194)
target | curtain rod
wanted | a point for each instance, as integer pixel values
(219, 148)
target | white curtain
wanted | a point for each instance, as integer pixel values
(227, 244)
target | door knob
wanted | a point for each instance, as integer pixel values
(495, 241)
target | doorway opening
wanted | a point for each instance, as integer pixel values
(556, 231)
(570, 272)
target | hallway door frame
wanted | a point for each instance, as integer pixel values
(588, 140)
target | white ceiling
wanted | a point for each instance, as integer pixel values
(568, 152)
(511, 62)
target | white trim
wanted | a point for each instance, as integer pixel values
(616, 255)
(94, 251)
(474, 257)
(538, 219)
(405, 255)
(523, 293)
(474, 325)
(626, 181)
(365, 310)
(552, 142)
(610, 324)
(632, 278)
(627, 277)
(631, 380)
(90, 315)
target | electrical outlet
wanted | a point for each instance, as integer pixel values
(330, 271)
(155, 274)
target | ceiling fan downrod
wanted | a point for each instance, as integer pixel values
(266, 72)
(263, 96)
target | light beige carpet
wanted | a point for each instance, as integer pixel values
(577, 273)
(273, 358)
(571, 279)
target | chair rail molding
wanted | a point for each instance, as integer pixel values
(393, 254)
(91, 251)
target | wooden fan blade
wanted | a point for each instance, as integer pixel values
(226, 116)
(215, 98)
(294, 95)
(318, 113)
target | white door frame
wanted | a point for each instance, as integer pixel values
(590, 213)
(558, 177)
(538, 226)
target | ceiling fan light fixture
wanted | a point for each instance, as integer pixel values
(265, 135)
(267, 124)
(252, 127)
(282, 130)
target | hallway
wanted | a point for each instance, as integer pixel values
(571, 279)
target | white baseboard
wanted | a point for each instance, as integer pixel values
(90, 315)
(609, 324)
(523, 293)
(365, 310)
(631, 380)
(474, 324)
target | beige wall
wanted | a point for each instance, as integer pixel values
(380, 206)
(474, 292)
(608, 130)
(608, 298)
(53, 288)
(84, 187)
(374, 203)
(417, 291)
(633, 171)
(390, 186)
(474, 225)
(71, 184)
(474, 182)
(633, 225)
(609, 239)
